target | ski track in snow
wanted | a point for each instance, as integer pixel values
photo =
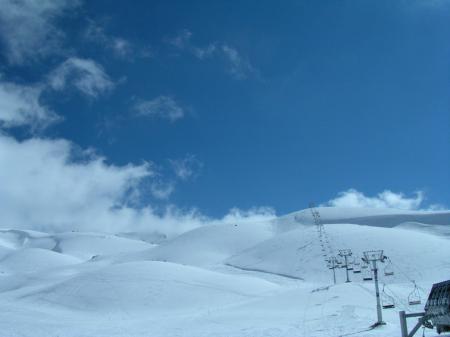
(232, 280)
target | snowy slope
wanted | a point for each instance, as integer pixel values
(146, 287)
(29, 260)
(244, 279)
(211, 244)
(298, 253)
(77, 244)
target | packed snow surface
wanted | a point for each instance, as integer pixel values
(222, 280)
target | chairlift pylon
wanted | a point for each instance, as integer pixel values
(387, 301)
(414, 296)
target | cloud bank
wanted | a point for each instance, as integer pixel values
(254, 214)
(44, 185)
(53, 186)
(385, 199)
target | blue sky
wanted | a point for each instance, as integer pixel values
(238, 104)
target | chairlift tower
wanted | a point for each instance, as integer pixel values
(346, 253)
(323, 236)
(373, 256)
(316, 217)
(333, 262)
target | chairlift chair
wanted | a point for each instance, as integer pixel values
(367, 274)
(364, 264)
(387, 301)
(414, 296)
(388, 271)
(356, 268)
(350, 261)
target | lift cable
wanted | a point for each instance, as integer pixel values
(413, 281)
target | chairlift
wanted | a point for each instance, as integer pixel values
(414, 296)
(367, 274)
(388, 271)
(350, 262)
(387, 301)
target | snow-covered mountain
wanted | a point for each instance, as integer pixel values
(232, 279)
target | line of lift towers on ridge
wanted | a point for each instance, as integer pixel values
(368, 268)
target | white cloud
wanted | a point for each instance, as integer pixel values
(45, 188)
(182, 41)
(239, 67)
(50, 185)
(254, 214)
(385, 199)
(27, 30)
(120, 46)
(86, 75)
(162, 190)
(42, 186)
(186, 167)
(162, 106)
(20, 106)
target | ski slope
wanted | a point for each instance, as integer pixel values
(236, 279)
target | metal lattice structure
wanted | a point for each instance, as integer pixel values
(333, 264)
(346, 253)
(324, 240)
(372, 257)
